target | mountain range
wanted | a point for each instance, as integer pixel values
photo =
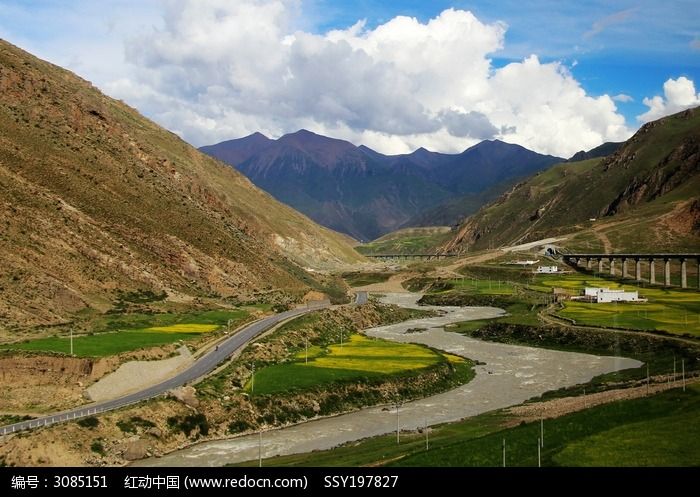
(95, 200)
(645, 196)
(365, 194)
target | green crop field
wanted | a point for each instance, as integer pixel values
(676, 319)
(660, 430)
(673, 310)
(483, 286)
(670, 310)
(164, 329)
(357, 358)
(140, 321)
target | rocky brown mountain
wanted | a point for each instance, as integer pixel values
(96, 200)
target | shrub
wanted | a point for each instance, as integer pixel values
(238, 426)
(89, 422)
(189, 423)
(98, 448)
(132, 424)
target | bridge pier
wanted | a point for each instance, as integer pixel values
(684, 278)
(638, 259)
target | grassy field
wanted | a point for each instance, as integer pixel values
(518, 313)
(522, 306)
(594, 437)
(407, 241)
(357, 358)
(659, 430)
(362, 278)
(484, 286)
(672, 310)
(164, 329)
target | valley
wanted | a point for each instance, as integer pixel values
(305, 300)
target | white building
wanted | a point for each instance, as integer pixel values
(547, 269)
(525, 263)
(592, 292)
(606, 295)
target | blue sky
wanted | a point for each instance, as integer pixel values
(622, 49)
(633, 54)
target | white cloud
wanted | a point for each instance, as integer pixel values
(216, 70)
(621, 97)
(602, 24)
(679, 94)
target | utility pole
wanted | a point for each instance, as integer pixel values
(542, 432)
(683, 366)
(306, 343)
(504, 452)
(426, 434)
(71, 342)
(397, 423)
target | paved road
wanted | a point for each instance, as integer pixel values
(361, 298)
(506, 375)
(202, 366)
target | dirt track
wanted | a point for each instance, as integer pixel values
(559, 407)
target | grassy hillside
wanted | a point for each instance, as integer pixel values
(97, 199)
(644, 195)
(408, 241)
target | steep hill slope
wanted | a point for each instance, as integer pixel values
(96, 199)
(366, 194)
(424, 240)
(644, 196)
(603, 150)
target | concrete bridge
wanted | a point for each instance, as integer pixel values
(425, 257)
(638, 260)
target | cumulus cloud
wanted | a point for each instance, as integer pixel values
(217, 69)
(621, 97)
(679, 94)
(472, 124)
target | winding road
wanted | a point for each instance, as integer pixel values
(506, 375)
(201, 367)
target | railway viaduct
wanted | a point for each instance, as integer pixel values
(639, 260)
